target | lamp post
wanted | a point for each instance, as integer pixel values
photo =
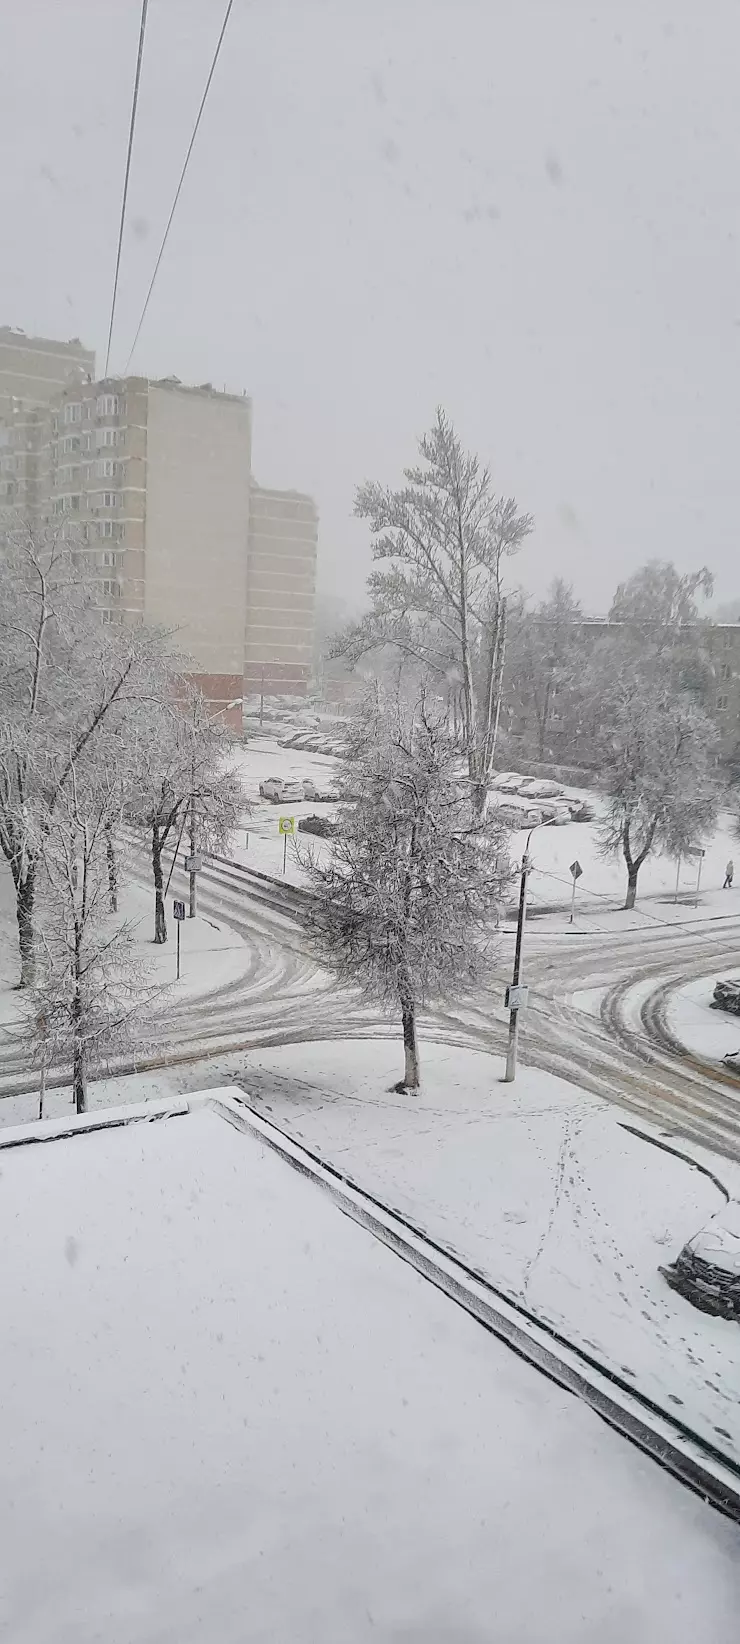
(511, 1049)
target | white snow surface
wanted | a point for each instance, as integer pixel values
(707, 1032)
(540, 1187)
(228, 1415)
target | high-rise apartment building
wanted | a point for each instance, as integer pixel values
(35, 369)
(154, 480)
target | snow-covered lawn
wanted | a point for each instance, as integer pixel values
(540, 1187)
(228, 1414)
(537, 1184)
(710, 1033)
(602, 887)
(211, 954)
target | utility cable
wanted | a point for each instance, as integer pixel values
(132, 124)
(182, 179)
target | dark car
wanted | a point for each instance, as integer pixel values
(707, 1272)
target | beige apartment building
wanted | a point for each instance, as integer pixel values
(35, 369)
(154, 480)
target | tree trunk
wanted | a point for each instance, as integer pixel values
(160, 922)
(110, 851)
(79, 1069)
(632, 873)
(25, 896)
(411, 1077)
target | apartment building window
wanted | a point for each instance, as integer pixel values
(106, 468)
(86, 442)
(73, 413)
(726, 671)
(113, 588)
(110, 530)
(112, 559)
(110, 499)
(106, 436)
(107, 405)
(723, 703)
(71, 442)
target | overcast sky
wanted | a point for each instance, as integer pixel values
(527, 210)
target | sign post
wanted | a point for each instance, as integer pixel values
(286, 826)
(678, 871)
(576, 870)
(179, 913)
(700, 853)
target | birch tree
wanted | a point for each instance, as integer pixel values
(90, 991)
(444, 539)
(662, 795)
(63, 679)
(182, 761)
(404, 905)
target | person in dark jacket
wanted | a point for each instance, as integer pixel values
(729, 875)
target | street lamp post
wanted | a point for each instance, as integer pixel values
(511, 1049)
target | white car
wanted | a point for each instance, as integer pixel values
(282, 791)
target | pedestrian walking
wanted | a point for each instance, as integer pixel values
(729, 875)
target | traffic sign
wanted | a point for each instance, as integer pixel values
(576, 869)
(516, 997)
(286, 824)
(193, 864)
(694, 850)
(179, 910)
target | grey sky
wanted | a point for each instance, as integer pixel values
(525, 209)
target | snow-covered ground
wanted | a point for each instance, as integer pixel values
(212, 954)
(601, 889)
(538, 1185)
(228, 1413)
(709, 1033)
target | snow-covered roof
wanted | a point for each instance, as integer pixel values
(228, 1413)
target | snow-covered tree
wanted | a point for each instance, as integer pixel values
(658, 596)
(89, 992)
(64, 677)
(182, 765)
(445, 538)
(658, 772)
(545, 657)
(406, 901)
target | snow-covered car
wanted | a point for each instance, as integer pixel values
(503, 777)
(319, 795)
(281, 790)
(511, 784)
(727, 996)
(707, 1272)
(534, 788)
(324, 827)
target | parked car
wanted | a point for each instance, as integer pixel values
(535, 788)
(282, 791)
(323, 826)
(707, 1272)
(319, 796)
(727, 996)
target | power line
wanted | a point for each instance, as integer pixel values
(182, 178)
(144, 9)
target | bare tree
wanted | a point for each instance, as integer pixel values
(63, 679)
(89, 993)
(182, 766)
(446, 536)
(658, 773)
(404, 904)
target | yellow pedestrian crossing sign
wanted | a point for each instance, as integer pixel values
(286, 824)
